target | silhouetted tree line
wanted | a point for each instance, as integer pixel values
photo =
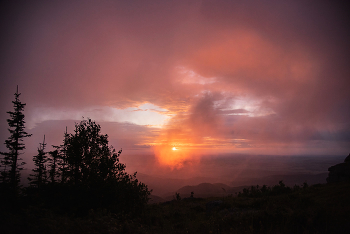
(81, 174)
(262, 191)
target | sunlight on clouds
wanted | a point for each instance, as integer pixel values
(249, 106)
(188, 76)
(145, 114)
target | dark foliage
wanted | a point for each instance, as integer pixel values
(347, 159)
(312, 209)
(62, 159)
(39, 178)
(53, 161)
(281, 188)
(85, 173)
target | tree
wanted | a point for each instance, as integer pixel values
(10, 174)
(88, 155)
(58, 162)
(39, 177)
(53, 164)
(95, 173)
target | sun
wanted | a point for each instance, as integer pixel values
(173, 156)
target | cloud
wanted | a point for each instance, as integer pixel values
(227, 76)
(140, 115)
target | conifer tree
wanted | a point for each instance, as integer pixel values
(39, 177)
(54, 163)
(63, 163)
(10, 173)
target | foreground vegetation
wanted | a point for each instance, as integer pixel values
(308, 209)
(81, 175)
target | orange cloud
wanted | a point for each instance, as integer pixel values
(233, 76)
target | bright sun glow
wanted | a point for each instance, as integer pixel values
(171, 156)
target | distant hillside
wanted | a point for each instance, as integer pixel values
(200, 189)
(165, 185)
(155, 199)
(289, 179)
(244, 170)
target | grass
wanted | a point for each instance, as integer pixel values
(315, 209)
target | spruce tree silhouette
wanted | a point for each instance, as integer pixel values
(39, 178)
(53, 164)
(61, 160)
(10, 173)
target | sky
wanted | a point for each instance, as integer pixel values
(175, 80)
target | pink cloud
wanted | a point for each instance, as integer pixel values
(239, 76)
